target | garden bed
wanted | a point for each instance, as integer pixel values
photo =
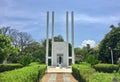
(88, 74)
(25, 74)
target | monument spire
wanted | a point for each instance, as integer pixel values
(67, 20)
(52, 26)
(52, 34)
(47, 42)
(67, 26)
(72, 25)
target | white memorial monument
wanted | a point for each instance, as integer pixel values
(60, 50)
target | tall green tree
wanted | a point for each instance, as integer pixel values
(6, 48)
(111, 40)
(36, 51)
(83, 53)
(19, 39)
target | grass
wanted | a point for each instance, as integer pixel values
(25, 74)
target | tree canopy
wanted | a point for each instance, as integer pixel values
(6, 48)
(110, 41)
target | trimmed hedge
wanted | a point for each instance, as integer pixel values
(85, 72)
(88, 74)
(109, 68)
(8, 67)
(25, 74)
(75, 70)
(104, 77)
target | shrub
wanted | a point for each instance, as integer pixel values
(118, 62)
(26, 74)
(109, 68)
(85, 71)
(103, 77)
(75, 70)
(26, 60)
(88, 74)
(7, 67)
(38, 60)
(119, 71)
(2, 57)
(92, 60)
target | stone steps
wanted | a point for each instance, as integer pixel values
(59, 70)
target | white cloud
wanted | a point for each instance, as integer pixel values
(91, 42)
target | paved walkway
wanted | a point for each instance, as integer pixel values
(58, 77)
(58, 74)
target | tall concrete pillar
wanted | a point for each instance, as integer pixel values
(52, 34)
(67, 26)
(47, 36)
(72, 25)
(52, 26)
(67, 38)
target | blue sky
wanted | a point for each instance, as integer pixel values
(92, 17)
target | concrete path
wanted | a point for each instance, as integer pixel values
(58, 77)
(52, 78)
(66, 77)
(58, 74)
